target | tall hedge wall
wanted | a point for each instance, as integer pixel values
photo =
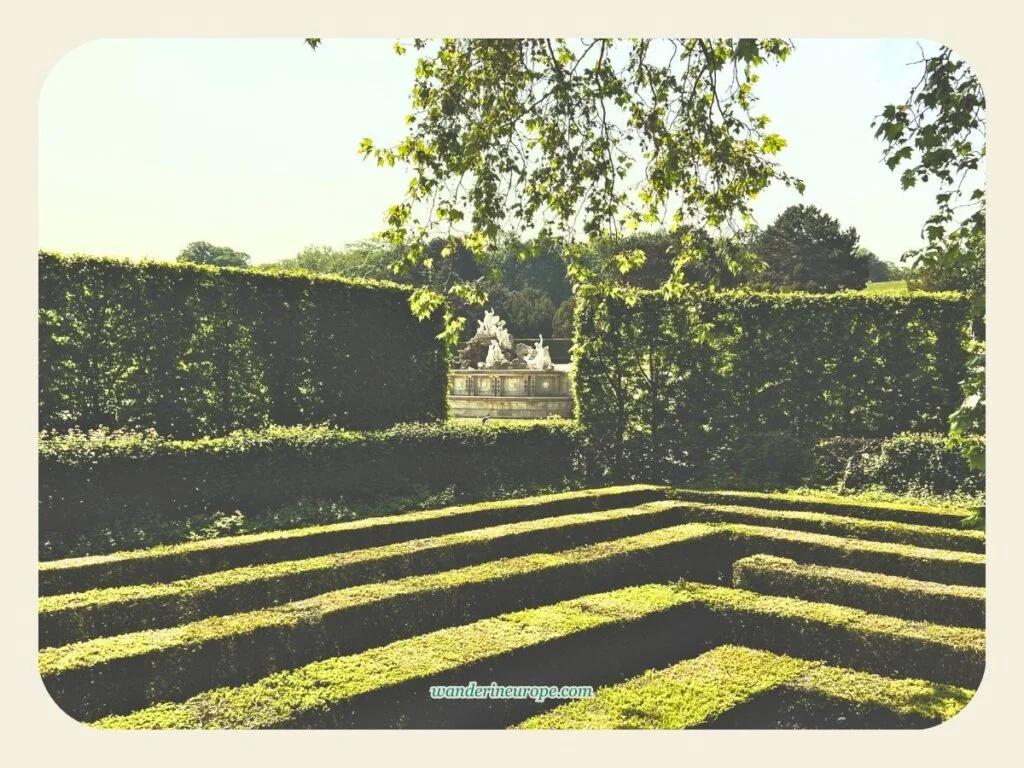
(189, 350)
(662, 385)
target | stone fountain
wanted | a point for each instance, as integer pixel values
(495, 377)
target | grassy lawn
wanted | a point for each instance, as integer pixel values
(887, 287)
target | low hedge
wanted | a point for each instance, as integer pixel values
(926, 702)
(836, 634)
(697, 692)
(791, 502)
(179, 561)
(125, 672)
(903, 463)
(330, 692)
(89, 480)
(681, 696)
(828, 523)
(331, 688)
(875, 592)
(114, 610)
(104, 612)
(923, 563)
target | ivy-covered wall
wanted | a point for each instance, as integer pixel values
(664, 385)
(190, 350)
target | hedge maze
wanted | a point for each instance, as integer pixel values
(682, 609)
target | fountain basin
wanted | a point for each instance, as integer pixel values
(510, 393)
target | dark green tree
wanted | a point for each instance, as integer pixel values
(805, 249)
(365, 258)
(518, 264)
(529, 313)
(879, 271)
(562, 323)
(708, 262)
(201, 252)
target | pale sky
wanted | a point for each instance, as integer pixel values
(147, 145)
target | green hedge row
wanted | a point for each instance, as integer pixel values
(913, 514)
(862, 697)
(335, 691)
(681, 696)
(122, 673)
(849, 637)
(115, 610)
(663, 386)
(127, 671)
(835, 525)
(903, 463)
(191, 350)
(90, 479)
(697, 692)
(104, 612)
(189, 559)
(875, 592)
(940, 565)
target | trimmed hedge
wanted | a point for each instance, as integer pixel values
(327, 692)
(836, 634)
(833, 697)
(190, 350)
(89, 480)
(318, 691)
(79, 616)
(125, 672)
(697, 692)
(923, 563)
(875, 592)
(921, 700)
(835, 525)
(179, 561)
(786, 502)
(903, 463)
(681, 696)
(662, 385)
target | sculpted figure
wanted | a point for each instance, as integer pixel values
(494, 326)
(494, 355)
(540, 358)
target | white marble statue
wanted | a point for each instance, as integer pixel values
(494, 354)
(494, 326)
(540, 358)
